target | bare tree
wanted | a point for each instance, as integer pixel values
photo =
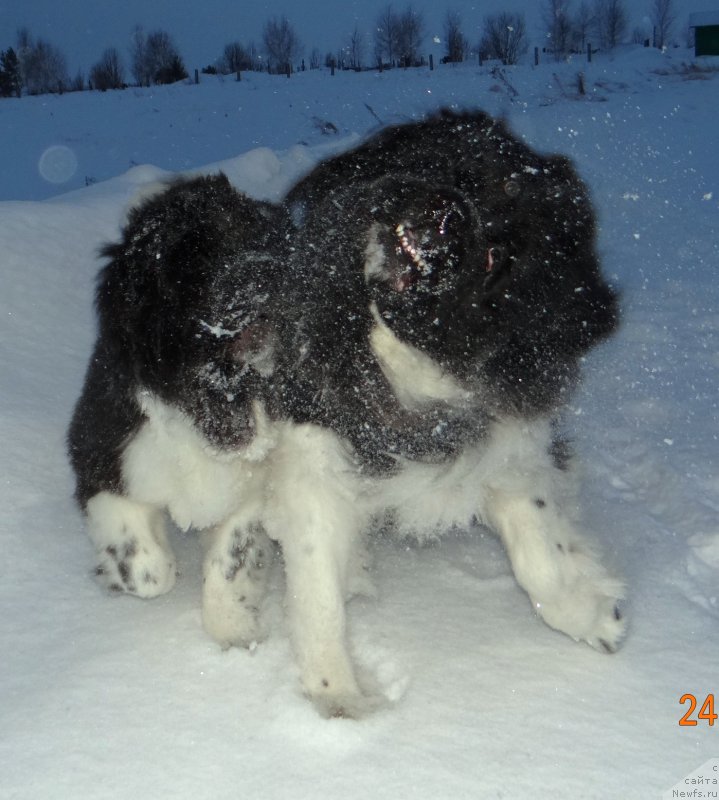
(43, 68)
(155, 58)
(639, 35)
(355, 49)
(504, 37)
(255, 56)
(663, 18)
(611, 22)
(558, 22)
(166, 63)
(139, 63)
(582, 24)
(455, 42)
(281, 43)
(410, 36)
(235, 57)
(109, 72)
(25, 43)
(386, 36)
(77, 84)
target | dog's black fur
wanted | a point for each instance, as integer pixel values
(516, 322)
(183, 305)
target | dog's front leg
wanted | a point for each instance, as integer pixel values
(315, 515)
(566, 582)
(236, 565)
(563, 575)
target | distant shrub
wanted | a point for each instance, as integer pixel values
(155, 58)
(504, 37)
(235, 58)
(455, 42)
(109, 72)
(171, 72)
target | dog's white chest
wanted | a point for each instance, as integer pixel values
(169, 463)
(415, 378)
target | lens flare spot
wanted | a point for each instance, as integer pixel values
(57, 164)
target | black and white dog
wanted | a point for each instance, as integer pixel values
(390, 346)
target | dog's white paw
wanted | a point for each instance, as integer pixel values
(590, 612)
(131, 541)
(231, 622)
(610, 629)
(144, 569)
(347, 704)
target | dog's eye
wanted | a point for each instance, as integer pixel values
(511, 188)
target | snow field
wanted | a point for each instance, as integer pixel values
(106, 697)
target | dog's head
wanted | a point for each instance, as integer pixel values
(184, 299)
(429, 264)
(478, 251)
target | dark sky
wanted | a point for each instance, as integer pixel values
(82, 29)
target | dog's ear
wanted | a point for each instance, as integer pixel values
(422, 231)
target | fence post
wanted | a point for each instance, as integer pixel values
(589, 52)
(197, 76)
(239, 75)
(431, 62)
(289, 69)
(536, 56)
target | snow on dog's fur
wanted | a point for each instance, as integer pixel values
(390, 345)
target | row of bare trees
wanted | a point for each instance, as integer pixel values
(35, 66)
(570, 27)
(606, 21)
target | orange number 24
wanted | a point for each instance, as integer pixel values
(706, 712)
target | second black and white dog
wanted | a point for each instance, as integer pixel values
(390, 346)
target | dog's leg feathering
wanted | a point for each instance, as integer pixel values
(131, 542)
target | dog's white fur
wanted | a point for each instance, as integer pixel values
(299, 486)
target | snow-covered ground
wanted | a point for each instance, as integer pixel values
(110, 697)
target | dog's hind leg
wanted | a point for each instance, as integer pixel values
(235, 570)
(566, 582)
(315, 514)
(131, 541)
